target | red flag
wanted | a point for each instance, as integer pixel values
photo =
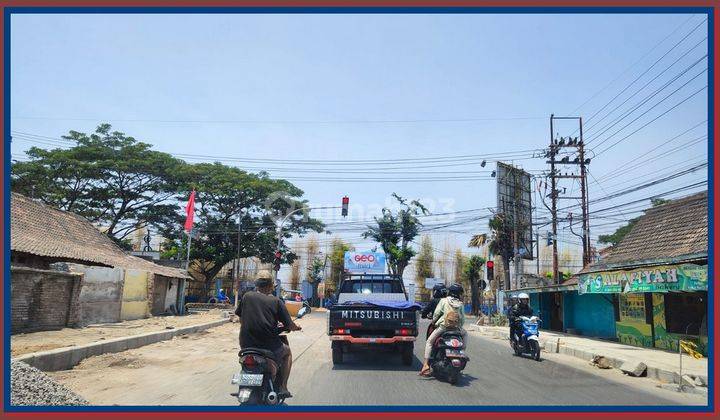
(190, 211)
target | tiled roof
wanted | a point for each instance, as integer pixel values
(38, 229)
(674, 232)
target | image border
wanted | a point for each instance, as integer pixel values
(135, 8)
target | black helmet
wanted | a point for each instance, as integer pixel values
(456, 290)
(439, 291)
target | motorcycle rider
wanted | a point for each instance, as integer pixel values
(260, 311)
(451, 304)
(439, 292)
(521, 308)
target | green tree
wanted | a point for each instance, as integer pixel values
(620, 233)
(315, 276)
(473, 268)
(337, 262)
(460, 277)
(112, 179)
(501, 243)
(395, 231)
(224, 194)
(424, 263)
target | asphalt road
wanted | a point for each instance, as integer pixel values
(494, 376)
(196, 370)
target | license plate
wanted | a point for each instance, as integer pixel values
(247, 379)
(456, 353)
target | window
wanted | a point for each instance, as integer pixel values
(366, 287)
(684, 312)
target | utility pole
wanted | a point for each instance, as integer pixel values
(581, 161)
(553, 195)
(236, 265)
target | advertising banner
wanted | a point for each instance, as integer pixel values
(365, 262)
(666, 278)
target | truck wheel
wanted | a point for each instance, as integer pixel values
(407, 355)
(337, 354)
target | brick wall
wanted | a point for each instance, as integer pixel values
(43, 299)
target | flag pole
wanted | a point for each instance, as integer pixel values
(187, 260)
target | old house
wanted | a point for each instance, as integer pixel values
(65, 272)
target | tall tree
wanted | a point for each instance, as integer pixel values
(112, 179)
(315, 276)
(337, 263)
(459, 261)
(501, 243)
(295, 275)
(223, 195)
(424, 263)
(473, 268)
(314, 271)
(394, 231)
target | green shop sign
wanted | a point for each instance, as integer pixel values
(666, 278)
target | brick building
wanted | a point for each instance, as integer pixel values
(65, 272)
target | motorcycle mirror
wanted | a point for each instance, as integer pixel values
(301, 313)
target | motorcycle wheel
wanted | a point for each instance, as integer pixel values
(535, 350)
(255, 398)
(453, 377)
(516, 348)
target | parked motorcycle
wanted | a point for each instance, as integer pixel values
(448, 357)
(527, 343)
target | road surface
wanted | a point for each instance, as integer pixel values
(196, 370)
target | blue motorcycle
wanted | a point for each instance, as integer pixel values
(527, 343)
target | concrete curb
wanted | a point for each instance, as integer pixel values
(549, 346)
(67, 357)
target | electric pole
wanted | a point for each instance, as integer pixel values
(577, 147)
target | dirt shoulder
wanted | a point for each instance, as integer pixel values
(47, 340)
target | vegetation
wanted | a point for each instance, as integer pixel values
(501, 244)
(395, 231)
(472, 271)
(338, 249)
(424, 262)
(122, 185)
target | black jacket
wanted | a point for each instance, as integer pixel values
(520, 310)
(429, 309)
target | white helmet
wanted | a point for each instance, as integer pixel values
(523, 296)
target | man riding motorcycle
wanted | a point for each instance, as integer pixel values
(260, 313)
(439, 292)
(522, 308)
(450, 306)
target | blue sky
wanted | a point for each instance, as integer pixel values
(374, 87)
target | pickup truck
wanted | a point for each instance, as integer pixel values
(372, 310)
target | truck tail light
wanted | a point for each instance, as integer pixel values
(404, 331)
(342, 331)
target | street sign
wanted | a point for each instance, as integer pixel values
(365, 262)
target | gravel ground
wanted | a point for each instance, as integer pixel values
(29, 386)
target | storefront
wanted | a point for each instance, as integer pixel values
(656, 305)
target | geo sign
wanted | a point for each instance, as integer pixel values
(365, 262)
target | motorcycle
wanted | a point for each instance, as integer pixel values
(258, 380)
(527, 343)
(448, 357)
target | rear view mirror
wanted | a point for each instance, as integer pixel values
(301, 313)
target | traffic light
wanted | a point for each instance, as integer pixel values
(345, 204)
(482, 284)
(276, 262)
(549, 239)
(490, 270)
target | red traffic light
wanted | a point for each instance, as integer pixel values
(345, 204)
(278, 254)
(490, 264)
